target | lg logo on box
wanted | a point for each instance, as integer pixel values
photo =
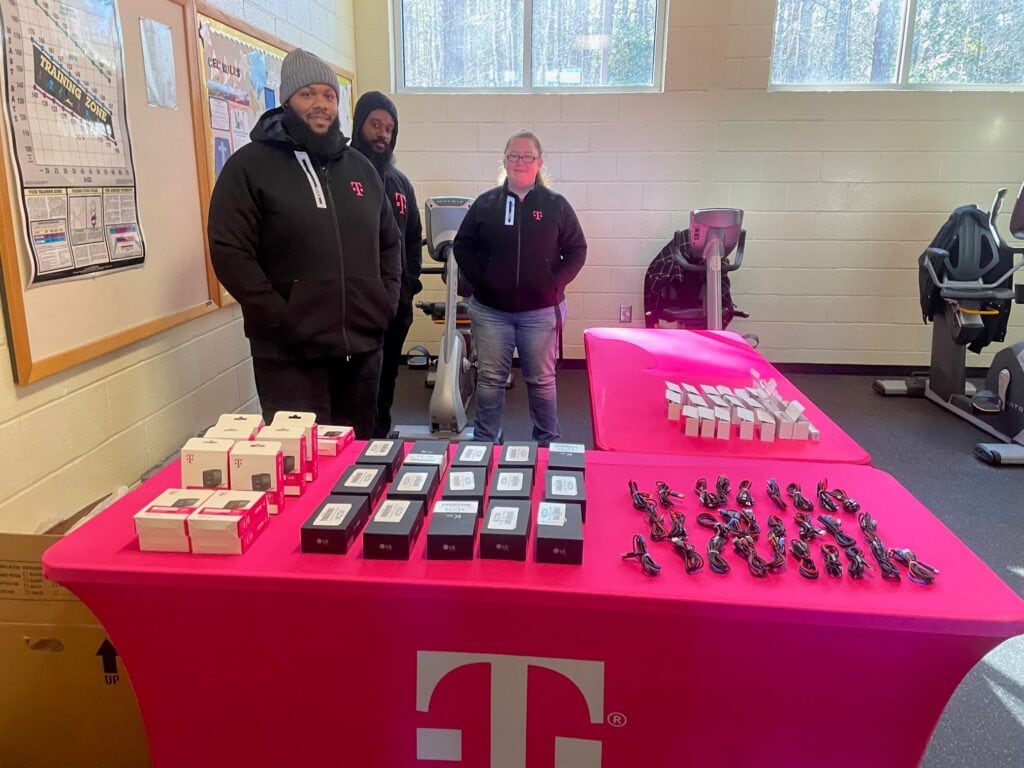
(508, 707)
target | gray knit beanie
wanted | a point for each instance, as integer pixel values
(302, 68)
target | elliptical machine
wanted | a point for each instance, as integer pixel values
(453, 372)
(968, 292)
(704, 249)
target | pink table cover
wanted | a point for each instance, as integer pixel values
(282, 658)
(627, 370)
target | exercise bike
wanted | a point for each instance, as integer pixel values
(968, 292)
(452, 374)
(670, 300)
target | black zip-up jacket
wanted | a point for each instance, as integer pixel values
(519, 256)
(309, 248)
(403, 205)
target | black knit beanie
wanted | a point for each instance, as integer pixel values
(368, 102)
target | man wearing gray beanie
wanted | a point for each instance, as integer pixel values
(375, 133)
(302, 235)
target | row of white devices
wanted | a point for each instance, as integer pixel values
(719, 412)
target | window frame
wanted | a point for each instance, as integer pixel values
(908, 24)
(658, 77)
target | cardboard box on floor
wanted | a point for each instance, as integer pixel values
(65, 699)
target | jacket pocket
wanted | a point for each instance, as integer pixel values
(368, 309)
(314, 310)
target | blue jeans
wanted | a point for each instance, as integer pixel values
(495, 335)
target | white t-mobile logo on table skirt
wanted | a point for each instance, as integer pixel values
(508, 707)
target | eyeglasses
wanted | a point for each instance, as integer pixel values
(515, 157)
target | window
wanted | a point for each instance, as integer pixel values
(529, 45)
(898, 42)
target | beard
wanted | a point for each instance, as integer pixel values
(323, 145)
(381, 161)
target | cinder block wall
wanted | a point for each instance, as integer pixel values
(74, 437)
(841, 190)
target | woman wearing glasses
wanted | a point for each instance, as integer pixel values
(519, 246)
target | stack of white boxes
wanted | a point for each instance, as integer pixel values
(162, 524)
(228, 522)
(309, 426)
(258, 465)
(719, 412)
(293, 450)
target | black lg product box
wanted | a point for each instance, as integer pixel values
(567, 456)
(393, 529)
(469, 455)
(383, 453)
(430, 452)
(505, 530)
(508, 483)
(335, 524)
(452, 531)
(566, 486)
(559, 533)
(468, 483)
(522, 455)
(414, 482)
(361, 480)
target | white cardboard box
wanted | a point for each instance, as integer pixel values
(723, 423)
(161, 524)
(258, 465)
(691, 421)
(293, 451)
(204, 463)
(745, 418)
(250, 422)
(766, 425)
(331, 440)
(308, 422)
(228, 522)
(707, 422)
(233, 433)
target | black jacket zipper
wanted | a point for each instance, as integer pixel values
(341, 254)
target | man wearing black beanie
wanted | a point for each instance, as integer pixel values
(374, 134)
(301, 233)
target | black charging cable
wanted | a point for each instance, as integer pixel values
(692, 560)
(848, 504)
(716, 561)
(708, 499)
(917, 572)
(869, 526)
(858, 565)
(777, 541)
(834, 526)
(833, 565)
(744, 546)
(806, 526)
(800, 501)
(642, 502)
(665, 495)
(825, 500)
(775, 494)
(743, 495)
(640, 553)
(802, 552)
(722, 487)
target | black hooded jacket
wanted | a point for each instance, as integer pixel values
(399, 190)
(519, 256)
(307, 246)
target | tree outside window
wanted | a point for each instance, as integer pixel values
(898, 42)
(529, 44)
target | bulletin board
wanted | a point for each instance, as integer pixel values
(151, 64)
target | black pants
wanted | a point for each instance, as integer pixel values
(340, 391)
(394, 340)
